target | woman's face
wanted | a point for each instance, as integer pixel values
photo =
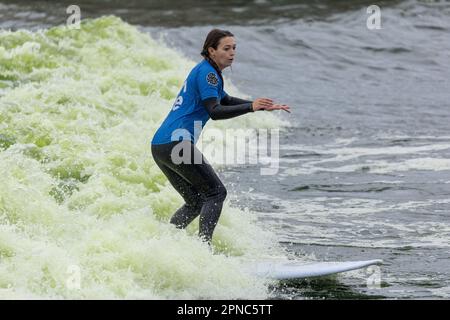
(224, 54)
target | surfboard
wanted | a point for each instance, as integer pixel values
(296, 269)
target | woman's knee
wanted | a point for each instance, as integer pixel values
(223, 193)
(218, 193)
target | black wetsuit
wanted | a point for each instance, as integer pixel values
(196, 181)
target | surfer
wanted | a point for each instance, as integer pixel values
(173, 146)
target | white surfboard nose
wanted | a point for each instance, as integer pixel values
(283, 270)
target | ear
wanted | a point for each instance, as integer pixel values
(211, 50)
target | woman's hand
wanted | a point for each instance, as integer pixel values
(262, 104)
(279, 107)
(267, 104)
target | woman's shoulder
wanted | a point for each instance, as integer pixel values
(203, 68)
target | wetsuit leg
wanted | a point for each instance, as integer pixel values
(192, 198)
(197, 183)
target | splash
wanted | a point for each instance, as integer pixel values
(83, 208)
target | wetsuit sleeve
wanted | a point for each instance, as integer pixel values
(228, 100)
(218, 111)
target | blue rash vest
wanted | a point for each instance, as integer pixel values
(188, 116)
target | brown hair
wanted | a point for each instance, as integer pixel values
(212, 41)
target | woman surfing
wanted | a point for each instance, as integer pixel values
(201, 98)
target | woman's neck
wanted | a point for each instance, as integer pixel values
(214, 64)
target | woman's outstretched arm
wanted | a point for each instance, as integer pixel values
(258, 104)
(232, 101)
(218, 111)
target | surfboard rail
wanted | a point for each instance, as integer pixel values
(291, 269)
